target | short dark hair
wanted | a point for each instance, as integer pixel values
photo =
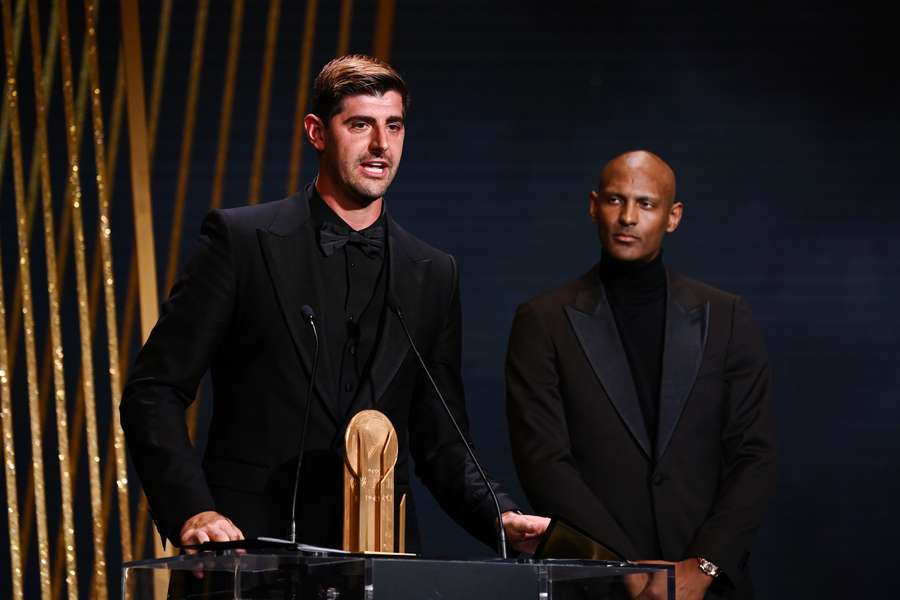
(352, 75)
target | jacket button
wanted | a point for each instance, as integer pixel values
(658, 479)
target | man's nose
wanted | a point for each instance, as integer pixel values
(628, 214)
(378, 144)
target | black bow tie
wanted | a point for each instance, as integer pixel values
(333, 237)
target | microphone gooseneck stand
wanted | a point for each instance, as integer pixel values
(501, 536)
(310, 318)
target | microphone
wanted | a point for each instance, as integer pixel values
(310, 317)
(501, 536)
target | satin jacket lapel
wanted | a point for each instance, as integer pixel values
(406, 276)
(595, 328)
(687, 323)
(287, 248)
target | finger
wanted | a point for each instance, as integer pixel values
(189, 537)
(200, 536)
(535, 528)
(233, 532)
(192, 537)
(217, 534)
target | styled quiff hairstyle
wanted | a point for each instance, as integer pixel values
(352, 75)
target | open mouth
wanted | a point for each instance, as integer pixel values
(375, 168)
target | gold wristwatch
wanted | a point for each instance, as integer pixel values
(708, 567)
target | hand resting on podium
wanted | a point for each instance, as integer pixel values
(523, 532)
(208, 526)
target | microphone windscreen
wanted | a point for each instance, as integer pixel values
(308, 312)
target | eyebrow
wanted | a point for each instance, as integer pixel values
(609, 192)
(372, 120)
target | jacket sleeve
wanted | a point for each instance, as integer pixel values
(441, 460)
(748, 444)
(164, 380)
(540, 439)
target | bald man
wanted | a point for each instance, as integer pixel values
(638, 399)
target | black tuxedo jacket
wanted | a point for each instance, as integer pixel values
(236, 311)
(581, 447)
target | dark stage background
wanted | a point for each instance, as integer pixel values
(781, 122)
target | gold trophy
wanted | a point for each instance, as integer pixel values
(370, 451)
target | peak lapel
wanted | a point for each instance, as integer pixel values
(595, 328)
(687, 322)
(287, 249)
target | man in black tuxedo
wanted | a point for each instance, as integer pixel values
(638, 399)
(237, 311)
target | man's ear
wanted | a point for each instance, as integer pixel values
(594, 205)
(674, 216)
(315, 131)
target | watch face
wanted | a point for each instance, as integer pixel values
(708, 568)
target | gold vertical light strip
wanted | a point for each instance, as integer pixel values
(19, 20)
(140, 166)
(15, 320)
(9, 457)
(384, 29)
(33, 179)
(162, 40)
(35, 161)
(87, 364)
(109, 296)
(140, 186)
(31, 201)
(6, 416)
(159, 71)
(27, 519)
(78, 419)
(309, 30)
(343, 44)
(115, 126)
(59, 381)
(187, 141)
(234, 44)
(62, 254)
(265, 95)
(27, 316)
(116, 448)
(47, 83)
(47, 69)
(62, 260)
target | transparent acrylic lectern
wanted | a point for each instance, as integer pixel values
(292, 574)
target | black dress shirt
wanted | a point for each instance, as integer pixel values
(354, 292)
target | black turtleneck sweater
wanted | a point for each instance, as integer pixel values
(637, 297)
